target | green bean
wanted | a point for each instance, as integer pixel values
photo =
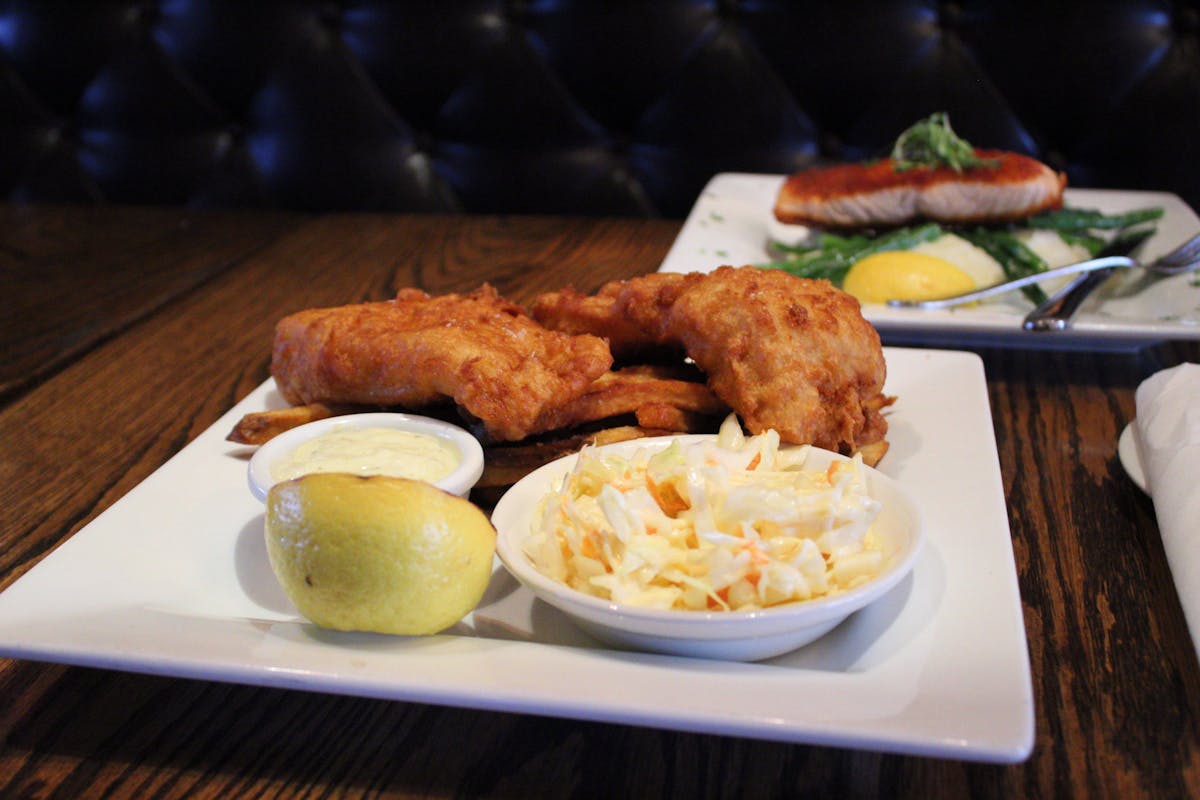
(1126, 240)
(1093, 244)
(830, 256)
(844, 244)
(831, 266)
(838, 253)
(1015, 258)
(905, 238)
(793, 248)
(1084, 219)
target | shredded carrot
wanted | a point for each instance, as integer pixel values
(667, 497)
(588, 548)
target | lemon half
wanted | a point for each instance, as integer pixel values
(379, 554)
(905, 275)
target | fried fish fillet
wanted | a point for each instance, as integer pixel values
(628, 329)
(783, 352)
(1006, 186)
(572, 311)
(478, 349)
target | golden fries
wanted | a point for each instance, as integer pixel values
(505, 464)
(262, 426)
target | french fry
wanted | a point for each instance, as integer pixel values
(680, 420)
(628, 391)
(873, 453)
(504, 465)
(261, 426)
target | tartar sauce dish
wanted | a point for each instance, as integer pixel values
(666, 569)
(381, 443)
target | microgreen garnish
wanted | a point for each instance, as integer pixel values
(933, 143)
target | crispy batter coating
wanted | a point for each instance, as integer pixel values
(479, 349)
(783, 352)
(572, 311)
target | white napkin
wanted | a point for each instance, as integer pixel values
(1168, 426)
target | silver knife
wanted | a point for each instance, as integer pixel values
(1055, 313)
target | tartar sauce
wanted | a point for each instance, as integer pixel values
(371, 451)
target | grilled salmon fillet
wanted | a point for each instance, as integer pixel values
(1007, 186)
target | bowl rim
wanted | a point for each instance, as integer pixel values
(460, 481)
(695, 623)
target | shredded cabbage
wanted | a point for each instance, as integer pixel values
(735, 524)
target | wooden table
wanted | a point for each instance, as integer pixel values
(126, 332)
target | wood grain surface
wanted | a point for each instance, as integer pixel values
(127, 332)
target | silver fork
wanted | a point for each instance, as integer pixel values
(1055, 313)
(1184, 258)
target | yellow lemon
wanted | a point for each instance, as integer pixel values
(380, 554)
(904, 275)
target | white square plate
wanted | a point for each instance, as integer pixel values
(173, 579)
(732, 222)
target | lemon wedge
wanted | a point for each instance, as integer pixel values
(904, 275)
(379, 554)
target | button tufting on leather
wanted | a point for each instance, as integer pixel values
(567, 106)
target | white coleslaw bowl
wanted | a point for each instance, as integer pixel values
(459, 482)
(725, 635)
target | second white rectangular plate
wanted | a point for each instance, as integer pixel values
(173, 579)
(732, 221)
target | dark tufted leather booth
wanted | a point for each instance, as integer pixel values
(620, 107)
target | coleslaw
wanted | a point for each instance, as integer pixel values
(731, 524)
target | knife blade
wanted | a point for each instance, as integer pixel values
(1056, 312)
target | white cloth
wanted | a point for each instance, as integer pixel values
(1168, 427)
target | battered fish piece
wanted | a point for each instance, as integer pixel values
(603, 314)
(572, 311)
(478, 349)
(783, 352)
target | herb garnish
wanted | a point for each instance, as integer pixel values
(932, 143)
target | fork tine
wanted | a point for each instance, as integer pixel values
(1186, 253)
